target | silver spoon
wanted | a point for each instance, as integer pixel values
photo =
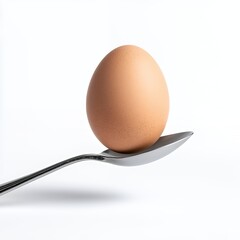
(161, 148)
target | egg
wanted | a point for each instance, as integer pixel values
(127, 100)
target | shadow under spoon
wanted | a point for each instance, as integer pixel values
(160, 149)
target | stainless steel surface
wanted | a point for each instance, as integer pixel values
(161, 148)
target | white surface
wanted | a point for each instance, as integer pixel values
(49, 50)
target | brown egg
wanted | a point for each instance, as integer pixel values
(127, 100)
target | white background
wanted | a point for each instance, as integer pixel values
(49, 50)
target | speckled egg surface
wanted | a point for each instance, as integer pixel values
(127, 100)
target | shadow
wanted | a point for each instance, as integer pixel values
(56, 196)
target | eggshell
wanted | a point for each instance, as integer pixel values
(127, 100)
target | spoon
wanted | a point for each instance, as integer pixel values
(160, 149)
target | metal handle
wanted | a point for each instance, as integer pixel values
(9, 186)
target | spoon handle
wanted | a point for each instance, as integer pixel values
(14, 184)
